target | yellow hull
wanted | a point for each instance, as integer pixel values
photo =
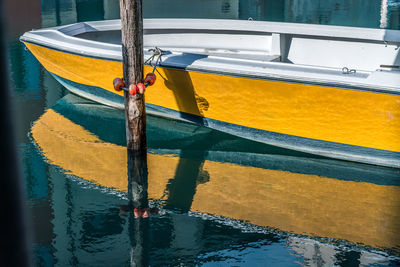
(338, 116)
(359, 212)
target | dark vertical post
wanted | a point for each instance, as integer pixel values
(132, 55)
(135, 116)
(135, 121)
(15, 249)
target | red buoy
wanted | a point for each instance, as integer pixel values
(146, 213)
(140, 88)
(132, 89)
(118, 83)
(141, 212)
(150, 78)
(137, 212)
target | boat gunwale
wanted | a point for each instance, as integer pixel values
(261, 27)
(266, 77)
(66, 41)
(70, 31)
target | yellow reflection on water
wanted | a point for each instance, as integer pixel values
(359, 212)
(83, 154)
(299, 203)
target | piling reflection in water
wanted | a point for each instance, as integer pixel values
(137, 180)
(139, 238)
(138, 201)
(195, 169)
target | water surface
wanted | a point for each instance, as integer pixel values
(222, 200)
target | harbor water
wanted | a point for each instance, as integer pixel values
(216, 199)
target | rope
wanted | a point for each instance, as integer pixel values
(157, 52)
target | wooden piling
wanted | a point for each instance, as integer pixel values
(135, 113)
(132, 56)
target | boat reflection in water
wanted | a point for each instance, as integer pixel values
(313, 207)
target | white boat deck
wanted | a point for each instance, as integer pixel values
(266, 50)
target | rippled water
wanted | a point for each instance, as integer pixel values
(221, 200)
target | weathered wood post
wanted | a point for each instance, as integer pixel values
(132, 56)
(135, 114)
(135, 121)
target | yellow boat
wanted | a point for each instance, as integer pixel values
(332, 199)
(325, 90)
